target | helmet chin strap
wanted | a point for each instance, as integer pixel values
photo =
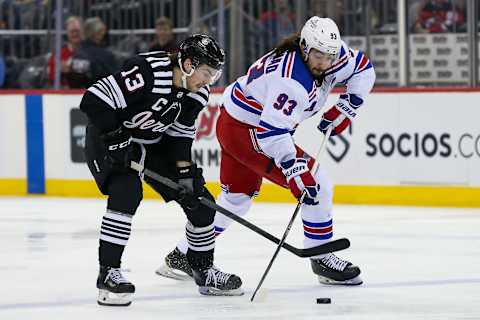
(184, 73)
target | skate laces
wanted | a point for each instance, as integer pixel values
(334, 262)
(116, 276)
(216, 276)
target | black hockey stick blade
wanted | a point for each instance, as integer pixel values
(335, 245)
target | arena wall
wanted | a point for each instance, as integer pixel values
(407, 147)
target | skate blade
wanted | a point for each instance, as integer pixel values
(107, 298)
(210, 291)
(167, 272)
(351, 282)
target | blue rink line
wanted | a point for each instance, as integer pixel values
(92, 301)
(35, 146)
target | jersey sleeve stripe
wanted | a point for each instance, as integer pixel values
(266, 130)
(163, 74)
(161, 90)
(291, 58)
(179, 130)
(362, 63)
(118, 92)
(204, 91)
(104, 89)
(157, 82)
(102, 96)
(160, 63)
(149, 53)
(198, 97)
(150, 59)
(108, 90)
(239, 99)
(270, 127)
(284, 64)
(183, 127)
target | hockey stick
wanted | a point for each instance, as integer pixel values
(333, 246)
(297, 209)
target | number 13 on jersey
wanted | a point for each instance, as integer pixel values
(135, 82)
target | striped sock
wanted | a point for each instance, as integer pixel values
(200, 238)
(116, 227)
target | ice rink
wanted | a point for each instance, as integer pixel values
(417, 263)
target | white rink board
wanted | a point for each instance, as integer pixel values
(13, 159)
(446, 123)
(56, 113)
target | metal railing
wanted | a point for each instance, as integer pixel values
(249, 28)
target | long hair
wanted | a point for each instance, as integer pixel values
(288, 44)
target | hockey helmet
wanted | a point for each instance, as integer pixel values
(321, 34)
(201, 49)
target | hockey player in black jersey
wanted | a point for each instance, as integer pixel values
(146, 112)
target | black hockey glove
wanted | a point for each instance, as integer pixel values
(192, 181)
(119, 149)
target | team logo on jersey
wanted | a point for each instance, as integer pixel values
(145, 121)
(206, 122)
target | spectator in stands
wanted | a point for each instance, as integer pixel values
(278, 23)
(414, 9)
(460, 16)
(436, 16)
(165, 39)
(91, 61)
(74, 27)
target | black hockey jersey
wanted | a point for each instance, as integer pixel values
(142, 99)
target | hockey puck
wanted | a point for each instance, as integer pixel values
(324, 300)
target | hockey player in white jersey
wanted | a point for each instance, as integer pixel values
(260, 113)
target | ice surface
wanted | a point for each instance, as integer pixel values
(418, 263)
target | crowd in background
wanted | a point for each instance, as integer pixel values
(89, 52)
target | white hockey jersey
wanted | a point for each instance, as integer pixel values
(278, 93)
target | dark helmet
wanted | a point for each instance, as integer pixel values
(202, 49)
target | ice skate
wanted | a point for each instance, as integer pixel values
(114, 289)
(335, 271)
(176, 266)
(213, 282)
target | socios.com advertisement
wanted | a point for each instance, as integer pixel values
(405, 139)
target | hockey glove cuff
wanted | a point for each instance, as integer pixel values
(341, 115)
(300, 179)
